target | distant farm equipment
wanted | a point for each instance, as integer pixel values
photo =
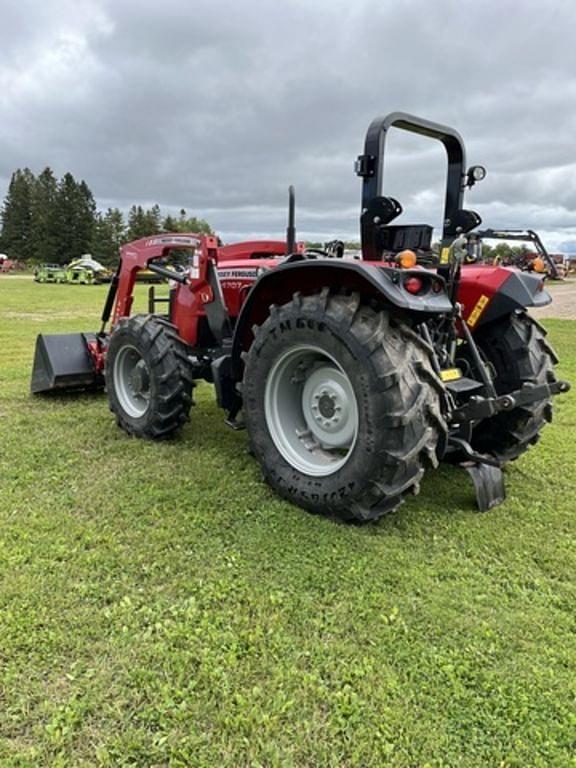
(9, 265)
(50, 273)
(101, 273)
(53, 273)
(537, 260)
(82, 271)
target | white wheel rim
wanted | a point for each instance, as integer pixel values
(311, 410)
(132, 381)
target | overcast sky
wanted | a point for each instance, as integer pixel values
(218, 106)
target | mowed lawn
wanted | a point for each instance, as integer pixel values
(159, 606)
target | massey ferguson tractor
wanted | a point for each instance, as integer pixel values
(352, 377)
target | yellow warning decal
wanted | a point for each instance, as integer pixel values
(477, 311)
(444, 255)
(451, 374)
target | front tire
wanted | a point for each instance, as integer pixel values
(342, 405)
(148, 377)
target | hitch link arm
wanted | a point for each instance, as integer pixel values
(478, 408)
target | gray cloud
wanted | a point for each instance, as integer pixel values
(217, 107)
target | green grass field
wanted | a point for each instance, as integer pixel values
(159, 606)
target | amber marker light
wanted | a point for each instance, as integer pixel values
(406, 259)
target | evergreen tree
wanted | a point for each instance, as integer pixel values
(187, 223)
(169, 224)
(142, 223)
(84, 218)
(75, 212)
(117, 228)
(136, 223)
(64, 218)
(108, 236)
(16, 215)
(44, 240)
(153, 219)
(200, 226)
(182, 221)
(100, 246)
(75, 215)
(50, 221)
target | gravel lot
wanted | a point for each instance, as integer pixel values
(563, 301)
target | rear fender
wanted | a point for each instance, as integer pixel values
(277, 286)
(487, 293)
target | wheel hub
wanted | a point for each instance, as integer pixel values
(132, 381)
(139, 379)
(326, 403)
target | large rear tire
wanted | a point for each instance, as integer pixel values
(516, 348)
(342, 405)
(148, 377)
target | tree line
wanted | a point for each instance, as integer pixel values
(50, 220)
(46, 220)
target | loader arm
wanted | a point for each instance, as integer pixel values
(141, 254)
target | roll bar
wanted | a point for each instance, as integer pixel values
(370, 165)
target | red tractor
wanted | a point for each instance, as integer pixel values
(6, 264)
(352, 376)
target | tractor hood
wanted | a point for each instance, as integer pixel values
(527, 289)
(488, 292)
(519, 291)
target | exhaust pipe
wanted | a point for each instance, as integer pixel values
(63, 363)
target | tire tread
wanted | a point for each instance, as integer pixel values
(403, 378)
(171, 370)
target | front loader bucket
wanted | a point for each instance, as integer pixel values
(62, 362)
